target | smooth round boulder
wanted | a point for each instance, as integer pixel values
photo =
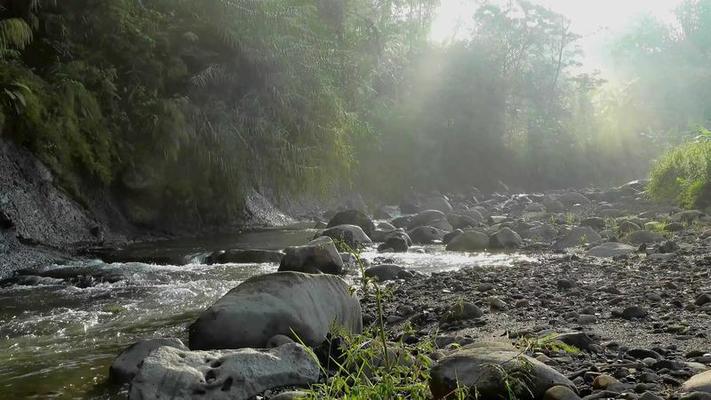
(301, 306)
(173, 374)
(353, 217)
(126, 365)
(318, 256)
(388, 272)
(425, 235)
(433, 218)
(469, 241)
(505, 239)
(352, 235)
(395, 244)
(560, 393)
(484, 367)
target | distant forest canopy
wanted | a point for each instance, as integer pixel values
(180, 107)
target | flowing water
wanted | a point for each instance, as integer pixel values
(56, 342)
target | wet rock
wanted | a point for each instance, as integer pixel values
(388, 272)
(240, 256)
(352, 235)
(283, 303)
(607, 382)
(126, 365)
(319, 255)
(425, 235)
(173, 374)
(570, 199)
(483, 366)
(469, 241)
(688, 216)
(611, 249)
(451, 235)
(353, 217)
(505, 239)
(395, 243)
(668, 246)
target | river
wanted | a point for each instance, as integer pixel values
(57, 342)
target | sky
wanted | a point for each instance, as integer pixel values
(595, 20)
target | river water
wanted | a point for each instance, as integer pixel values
(57, 342)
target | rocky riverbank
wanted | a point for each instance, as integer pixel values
(613, 302)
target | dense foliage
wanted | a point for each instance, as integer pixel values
(181, 107)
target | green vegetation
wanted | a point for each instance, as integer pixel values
(684, 176)
(180, 108)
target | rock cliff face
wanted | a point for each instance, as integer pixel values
(37, 220)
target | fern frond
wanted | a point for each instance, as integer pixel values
(15, 33)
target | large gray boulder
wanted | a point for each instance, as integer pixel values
(505, 239)
(353, 217)
(126, 365)
(490, 368)
(173, 374)
(351, 235)
(301, 306)
(577, 237)
(469, 241)
(611, 249)
(570, 199)
(319, 255)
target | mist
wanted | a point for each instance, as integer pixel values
(355, 199)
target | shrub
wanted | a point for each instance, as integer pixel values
(683, 175)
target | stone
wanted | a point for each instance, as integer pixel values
(611, 249)
(388, 272)
(462, 311)
(301, 306)
(395, 243)
(432, 218)
(634, 312)
(353, 217)
(560, 393)
(126, 365)
(318, 256)
(469, 241)
(505, 239)
(703, 299)
(352, 235)
(644, 237)
(698, 383)
(577, 237)
(480, 366)
(436, 202)
(245, 256)
(173, 374)
(425, 235)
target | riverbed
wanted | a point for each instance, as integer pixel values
(57, 341)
